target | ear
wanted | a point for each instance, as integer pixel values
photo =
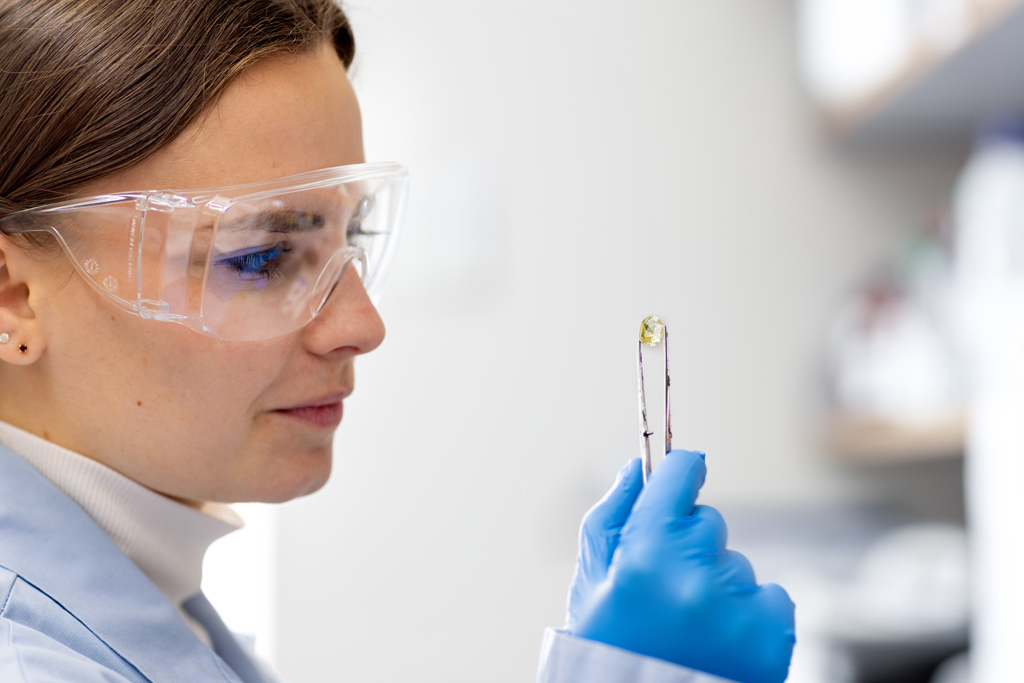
(25, 340)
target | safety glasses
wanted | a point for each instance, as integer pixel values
(240, 263)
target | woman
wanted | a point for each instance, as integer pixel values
(169, 351)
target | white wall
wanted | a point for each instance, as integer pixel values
(576, 166)
(240, 577)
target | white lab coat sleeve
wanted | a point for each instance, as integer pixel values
(565, 658)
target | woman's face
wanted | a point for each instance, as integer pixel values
(191, 416)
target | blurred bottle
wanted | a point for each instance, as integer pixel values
(989, 248)
(989, 291)
(890, 356)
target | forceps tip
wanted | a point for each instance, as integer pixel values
(652, 332)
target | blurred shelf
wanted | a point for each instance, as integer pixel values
(941, 97)
(905, 659)
(869, 440)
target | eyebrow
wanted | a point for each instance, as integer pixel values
(278, 221)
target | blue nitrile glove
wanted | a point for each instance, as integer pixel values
(653, 577)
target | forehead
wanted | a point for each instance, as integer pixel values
(285, 115)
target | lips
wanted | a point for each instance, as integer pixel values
(324, 412)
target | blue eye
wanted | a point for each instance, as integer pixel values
(259, 263)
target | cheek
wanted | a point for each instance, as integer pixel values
(162, 375)
(203, 379)
(180, 412)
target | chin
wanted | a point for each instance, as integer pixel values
(299, 476)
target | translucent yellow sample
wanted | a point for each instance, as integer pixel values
(651, 330)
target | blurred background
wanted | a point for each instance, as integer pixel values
(823, 199)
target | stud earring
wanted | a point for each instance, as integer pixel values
(4, 338)
(22, 348)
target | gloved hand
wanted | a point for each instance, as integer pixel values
(653, 577)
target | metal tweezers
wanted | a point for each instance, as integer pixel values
(645, 432)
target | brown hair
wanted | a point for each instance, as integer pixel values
(91, 87)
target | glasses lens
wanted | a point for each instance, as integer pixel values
(274, 259)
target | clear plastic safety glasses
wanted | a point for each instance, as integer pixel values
(241, 263)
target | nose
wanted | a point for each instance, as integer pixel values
(348, 320)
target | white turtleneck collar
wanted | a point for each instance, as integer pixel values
(164, 538)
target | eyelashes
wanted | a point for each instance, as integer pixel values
(260, 264)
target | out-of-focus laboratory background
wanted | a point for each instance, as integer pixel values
(792, 187)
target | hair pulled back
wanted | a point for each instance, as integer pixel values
(92, 87)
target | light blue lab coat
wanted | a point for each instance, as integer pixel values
(75, 609)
